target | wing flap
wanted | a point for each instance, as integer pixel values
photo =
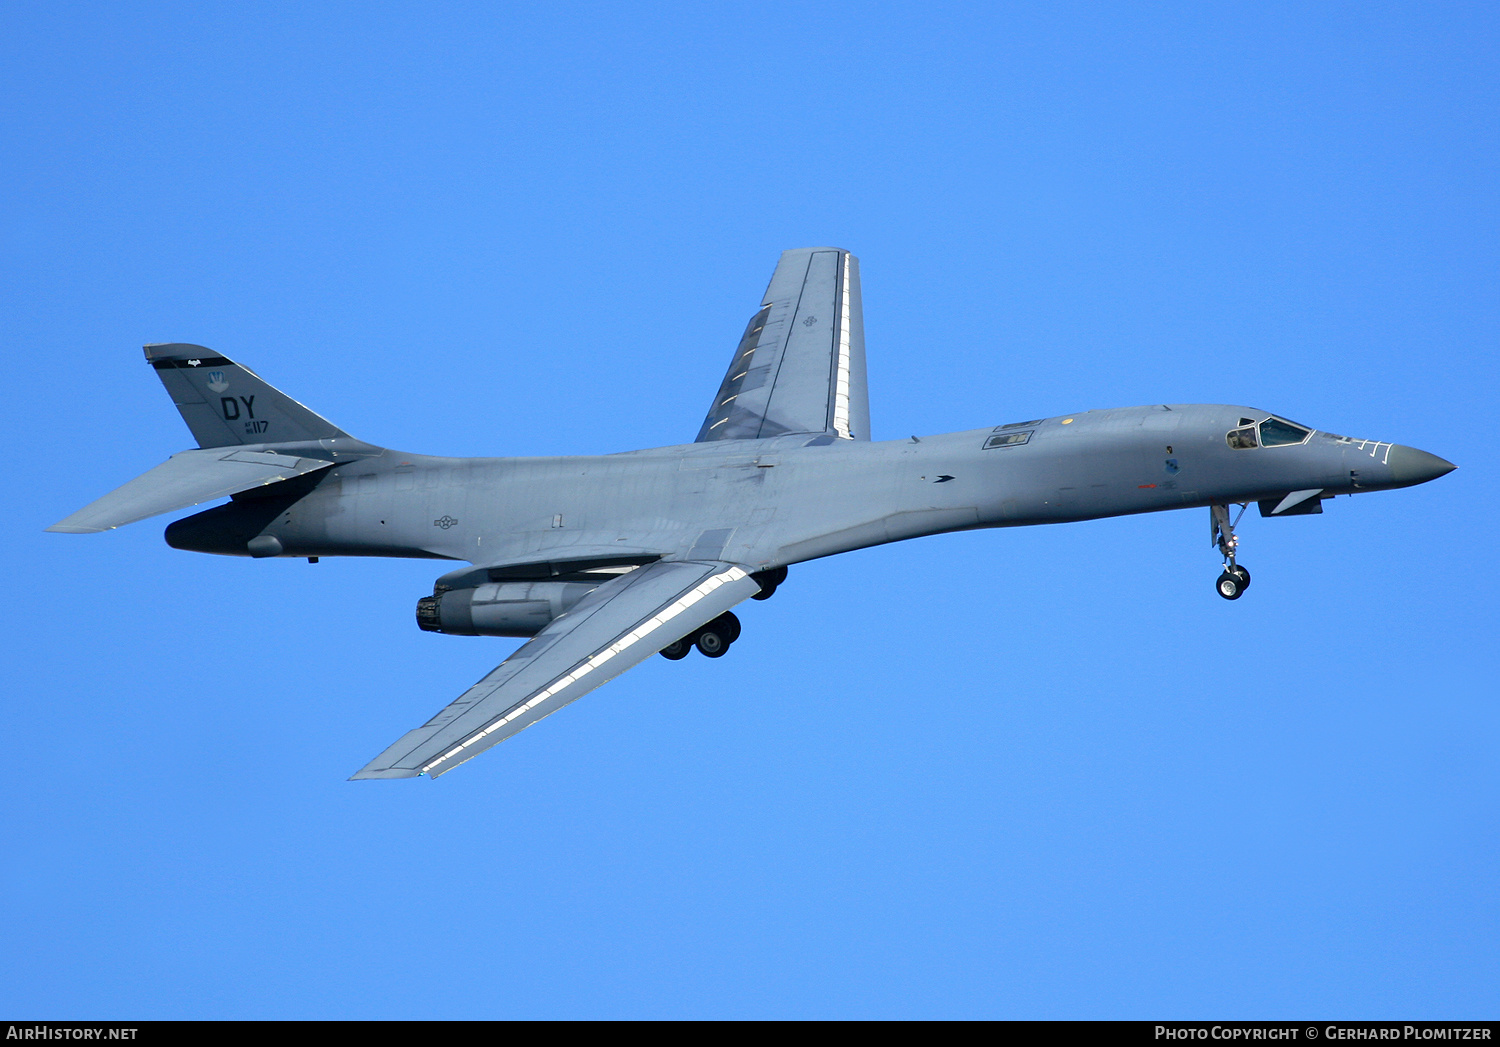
(618, 625)
(186, 479)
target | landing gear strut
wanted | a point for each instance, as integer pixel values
(1235, 579)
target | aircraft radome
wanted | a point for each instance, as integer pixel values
(606, 560)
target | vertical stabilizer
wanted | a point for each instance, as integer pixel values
(225, 404)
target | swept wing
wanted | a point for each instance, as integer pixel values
(800, 366)
(618, 625)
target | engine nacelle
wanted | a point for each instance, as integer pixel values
(499, 608)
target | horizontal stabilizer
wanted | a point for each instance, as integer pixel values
(187, 479)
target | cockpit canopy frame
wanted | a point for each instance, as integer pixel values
(1269, 432)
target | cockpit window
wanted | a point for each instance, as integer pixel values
(1240, 439)
(1276, 432)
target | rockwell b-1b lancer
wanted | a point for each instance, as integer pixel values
(605, 560)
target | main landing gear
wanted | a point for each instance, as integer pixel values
(712, 640)
(1235, 579)
(768, 580)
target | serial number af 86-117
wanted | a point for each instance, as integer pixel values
(604, 561)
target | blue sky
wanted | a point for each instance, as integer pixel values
(1039, 772)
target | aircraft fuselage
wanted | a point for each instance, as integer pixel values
(779, 501)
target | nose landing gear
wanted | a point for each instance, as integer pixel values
(1235, 579)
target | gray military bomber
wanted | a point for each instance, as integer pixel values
(606, 560)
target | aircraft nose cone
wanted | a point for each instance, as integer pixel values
(1410, 466)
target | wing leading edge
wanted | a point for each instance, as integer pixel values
(618, 625)
(800, 366)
